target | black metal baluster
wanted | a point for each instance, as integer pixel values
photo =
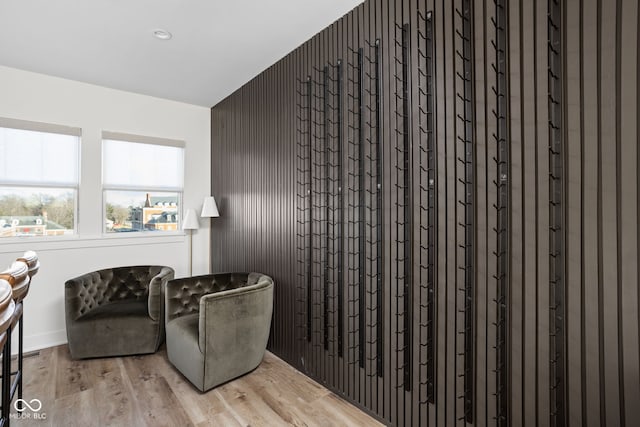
(501, 207)
(310, 230)
(408, 191)
(556, 216)
(303, 207)
(466, 160)
(362, 224)
(403, 203)
(379, 216)
(427, 209)
(355, 220)
(327, 228)
(340, 207)
(371, 185)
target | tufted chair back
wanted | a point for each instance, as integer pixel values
(111, 285)
(185, 293)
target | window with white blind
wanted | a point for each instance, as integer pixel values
(39, 174)
(142, 180)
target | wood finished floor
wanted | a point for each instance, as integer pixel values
(148, 391)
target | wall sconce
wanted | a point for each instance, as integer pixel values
(209, 208)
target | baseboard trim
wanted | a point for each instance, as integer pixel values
(39, 341)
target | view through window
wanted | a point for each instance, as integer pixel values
(143, 185)
(139, 211)
(38, 179)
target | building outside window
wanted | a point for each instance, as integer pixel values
(39, 178)
(142, 180)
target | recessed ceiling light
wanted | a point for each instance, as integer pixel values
(162, 34)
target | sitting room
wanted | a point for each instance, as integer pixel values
(319, 213)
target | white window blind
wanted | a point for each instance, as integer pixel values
(30, 157)
(134, 165)
(39, 178)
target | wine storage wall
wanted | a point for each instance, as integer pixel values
(446, 194)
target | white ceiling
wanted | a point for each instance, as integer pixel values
(217, 45)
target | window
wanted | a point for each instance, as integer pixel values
(142, 182)
(39, 166)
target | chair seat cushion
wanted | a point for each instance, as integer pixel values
(114, 329)
(186, 326)
(127, 308)
(183, 349)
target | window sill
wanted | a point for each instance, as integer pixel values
(19, 244)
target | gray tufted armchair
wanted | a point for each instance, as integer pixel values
(218, 325)
(116, 311)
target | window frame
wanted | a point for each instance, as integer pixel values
(56, 129)
(140, 139)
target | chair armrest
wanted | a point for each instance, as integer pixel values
(226, 315)
(156, 292)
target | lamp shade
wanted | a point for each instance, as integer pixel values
(190, 221)
(209, 208)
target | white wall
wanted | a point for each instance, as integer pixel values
(36, 97)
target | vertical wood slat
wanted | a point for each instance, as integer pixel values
(601, 207)
(305, 301)
(449, 383)
(340, 206)
(387, 41)
(591, 215)
(609, 141)
(542, 211)
(484, 391)
(628, 209)
(529, 215)
(515, 105)
(574, 223)
(441, 72)
(377, 33)
(342, 324)
(412, 402)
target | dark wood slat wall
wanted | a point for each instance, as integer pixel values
(547, 279)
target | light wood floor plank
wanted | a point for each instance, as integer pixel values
(271, 396)
(148, 391)
(72, 376)
(116, 405)
(157, 402)
(44, 372)
(73, 410)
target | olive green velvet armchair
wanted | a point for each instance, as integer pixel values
(116, 311)
(218, 325)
